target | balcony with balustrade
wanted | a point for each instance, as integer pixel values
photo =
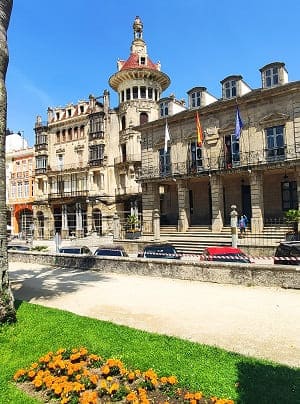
(272, 158)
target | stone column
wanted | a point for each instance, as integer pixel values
(79, 228)
(116, 226)
(64, 222)
(183, 206)
(156, 225)
(257, 201)
(217, 202)
(150, 201)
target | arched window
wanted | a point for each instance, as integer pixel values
(143, 118)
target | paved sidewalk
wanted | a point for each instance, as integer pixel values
(255, 321)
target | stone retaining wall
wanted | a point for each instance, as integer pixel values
(239, 274)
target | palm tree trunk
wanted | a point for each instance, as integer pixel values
(7, 310)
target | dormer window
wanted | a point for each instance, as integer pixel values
(57, 115)
(196, 99)
(164, 108)
(143, 60)
(273, 75)
(230, 89)
(81, 109)
(69, 113)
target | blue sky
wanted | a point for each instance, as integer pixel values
(62, 51)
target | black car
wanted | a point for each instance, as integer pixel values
(167, 251)
(111, 251)
(75, 250)
(288, 253)
(18, 247)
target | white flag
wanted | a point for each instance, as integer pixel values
(167, 137)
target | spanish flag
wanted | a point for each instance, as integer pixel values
(199, 130)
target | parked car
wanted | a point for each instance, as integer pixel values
(225, 254)
(288, 253)
(111, 251)
(18, 247)
(75, 250)
(167, 251)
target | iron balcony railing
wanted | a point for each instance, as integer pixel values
(66, 167)
(41, 170)
(67, 194)
(128, 190)
(130, 158)
(41, 146)
(225, 162)
(96, 135)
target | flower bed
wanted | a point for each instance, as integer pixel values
(77, 376)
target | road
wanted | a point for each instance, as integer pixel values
(255, 321)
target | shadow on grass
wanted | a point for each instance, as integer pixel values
(48, 282)
(268, 384)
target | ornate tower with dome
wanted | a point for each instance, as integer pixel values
(139, 83)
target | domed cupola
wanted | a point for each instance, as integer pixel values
(138, 79)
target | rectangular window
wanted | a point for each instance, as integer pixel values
(164, 162)
(127, 93)
(164, 109)
(230, 89)
(122, 96)
(13, 190)
(196, 99)
(232, 151)
(135, 92)
(20, 190)
(143, 92)
(196, 164)
(150, 93)
(60, 161)
(97, 152)
(271, 77)
(275, 142)
(26, 188)
(41, 162)
(289, 195)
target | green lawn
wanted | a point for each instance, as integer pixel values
(214, 371)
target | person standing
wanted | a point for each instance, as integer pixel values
(242, 226)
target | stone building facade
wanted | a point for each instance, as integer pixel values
(88, 155)
(193, 184)
(19, 185)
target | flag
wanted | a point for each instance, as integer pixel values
(238, 124)
(167, 136)
(199, 130)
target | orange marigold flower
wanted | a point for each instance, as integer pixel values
(193, 401)
(34, 365)
(188, 396)
(172, 380)
(198, 395)
(131, 397)
(105, 370)
(37, 382)
(131, 376)
(164, 379)
(94, 379)
(19, 373)
(31, 374)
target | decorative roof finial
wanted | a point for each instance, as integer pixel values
(138, 28)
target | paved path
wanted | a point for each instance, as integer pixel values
(255, 321)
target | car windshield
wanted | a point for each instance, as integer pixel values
(108, 252)
(70, 250)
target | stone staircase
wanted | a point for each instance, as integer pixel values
(197, 238)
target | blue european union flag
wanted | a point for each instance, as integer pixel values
(238, 124)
